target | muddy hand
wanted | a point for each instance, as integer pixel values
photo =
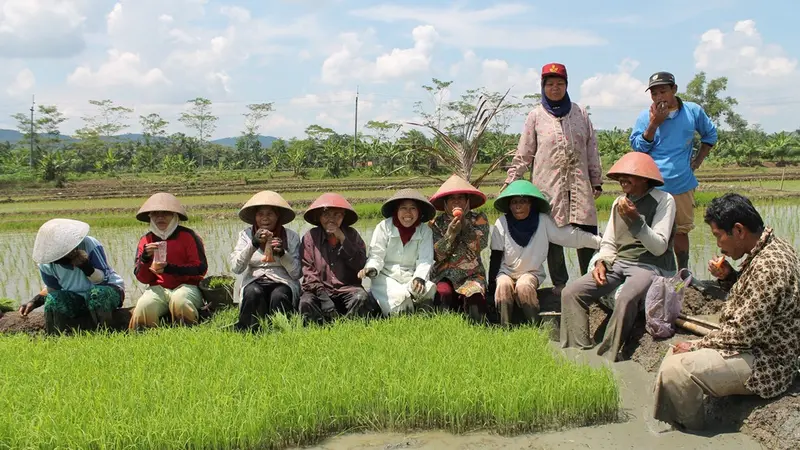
(599, 273)
(719, 268)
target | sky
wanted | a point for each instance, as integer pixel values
(309, 57)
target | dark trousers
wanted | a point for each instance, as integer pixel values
(262, 298)
(448, 299)
(350, 301)
(557, 265)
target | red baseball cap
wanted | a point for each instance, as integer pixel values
(554, 69)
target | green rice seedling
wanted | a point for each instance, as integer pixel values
(205, 387)
(7, 305)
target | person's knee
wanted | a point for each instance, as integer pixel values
(359, 298)
(672, 371)
(307, 302)
(252, 291)
(504, 292)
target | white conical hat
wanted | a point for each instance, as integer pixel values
(56, 238)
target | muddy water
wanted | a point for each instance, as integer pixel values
(636, 430)
(19, 278)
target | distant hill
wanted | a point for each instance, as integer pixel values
(14, 136)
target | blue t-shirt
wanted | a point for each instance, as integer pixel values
(68, 278)
(671, 148)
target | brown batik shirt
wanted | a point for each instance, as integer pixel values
(762, 316)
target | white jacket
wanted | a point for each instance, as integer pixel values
(397, 265)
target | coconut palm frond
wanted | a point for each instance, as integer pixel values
(492, 167)
(462, 156)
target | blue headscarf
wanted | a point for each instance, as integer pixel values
(557, 108)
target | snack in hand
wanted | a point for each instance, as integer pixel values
(457, 212)
(719, 262)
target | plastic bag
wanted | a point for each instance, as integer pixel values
(160, 255)
(663, 303)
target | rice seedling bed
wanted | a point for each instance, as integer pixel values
(207, 387)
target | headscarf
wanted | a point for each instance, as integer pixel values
(173, 225)
(405, 232)
(521, 231)
(558, 108)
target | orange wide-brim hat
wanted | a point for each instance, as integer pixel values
(457, 185)
(638, 164)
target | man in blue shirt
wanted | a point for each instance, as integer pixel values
(666, 132)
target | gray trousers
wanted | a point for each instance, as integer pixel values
(578, 295)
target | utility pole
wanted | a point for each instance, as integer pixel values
(355, 131)
(33, 102)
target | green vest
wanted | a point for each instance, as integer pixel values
(631, 249)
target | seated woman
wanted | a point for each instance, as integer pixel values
(459, 235)
(267, 256)
(401, 254)
(78, 279)
(520, 241)
(181, 265)
(333, 254)
(636, 246)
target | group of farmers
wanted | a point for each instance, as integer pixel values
(418, 259)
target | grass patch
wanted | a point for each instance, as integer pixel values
(7, 305)
(208, 388)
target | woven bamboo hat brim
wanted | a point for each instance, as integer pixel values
(56, 238)
(267, 198)
(161, 201)
(426, 209)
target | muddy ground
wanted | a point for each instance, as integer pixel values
(734, 422)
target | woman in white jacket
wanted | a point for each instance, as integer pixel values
(267, 256)
(519, 243)
(401, 254)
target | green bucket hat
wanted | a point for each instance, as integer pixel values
(521, 188)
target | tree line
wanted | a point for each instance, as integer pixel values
(384, 148)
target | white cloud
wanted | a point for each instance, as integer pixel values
(236, 13)
(121, 69)
(481, 28)
(347, 64)
(742, 51)
(41, 28)
(756, 72)
(615, 90)
(23, 83)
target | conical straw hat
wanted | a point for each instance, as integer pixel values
(267, 198)
(426, 210)
(161, 201)
(521, 188)
(457, 185)
(639, 164)
(330, 200)
(56, 238)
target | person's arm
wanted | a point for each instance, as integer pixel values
(568, 235)
(655, 238)
(708, 137)
(425, 253)
(749, 323)
(196, 264)
(311, 276)
(497, 245)
(142, 268)
(608, 245)
(477, 229)
(354, 250)
(243, 252)
(526, 150)
(377, 247)
(443, 244)
(593, 156)
(97, 270)
(290, 260)
(643, 134)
